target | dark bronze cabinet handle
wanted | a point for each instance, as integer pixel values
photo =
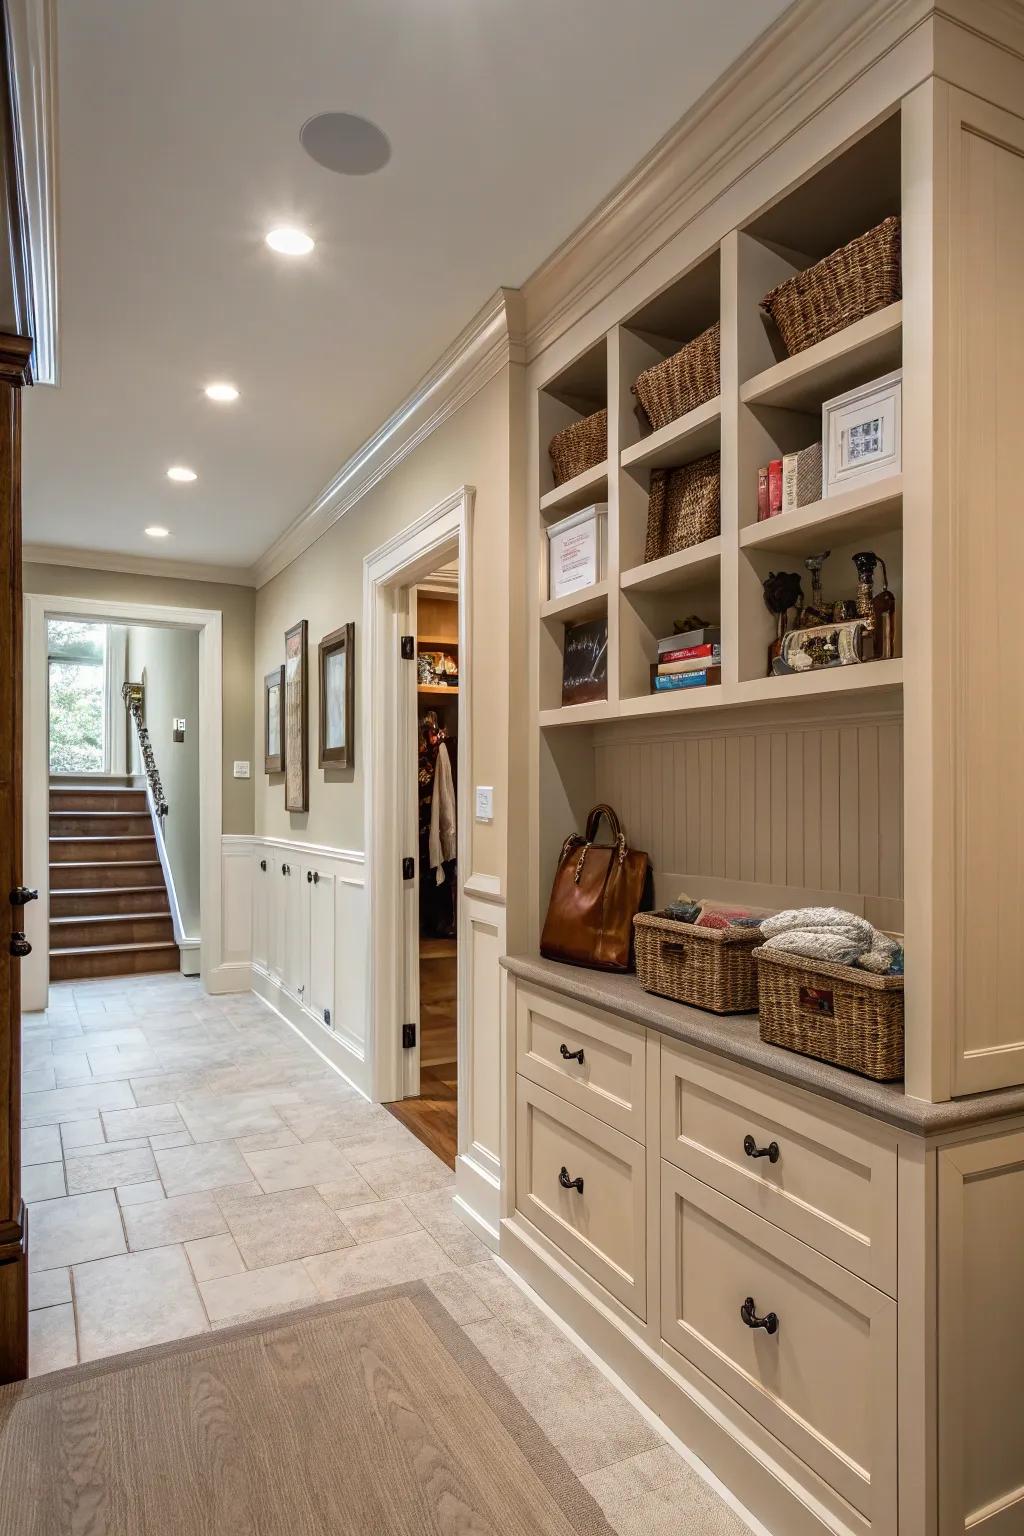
(20, 946)
(21, 896)
(263, 865)
(567, 1183)
(309, 876)
(748, 1312)
(316, 877)
(568, 1055)
(771, 1151)
(286, 869)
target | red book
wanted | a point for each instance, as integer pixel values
(774, 487)
(762, 493)
(687, 653)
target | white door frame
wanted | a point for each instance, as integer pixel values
(35, 975)
(404, 561)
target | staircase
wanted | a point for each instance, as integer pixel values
(109, 910)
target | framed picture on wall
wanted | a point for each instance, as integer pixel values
(337, 697)
(296, 719)
(273, 720)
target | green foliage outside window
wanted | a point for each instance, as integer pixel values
(77, 682)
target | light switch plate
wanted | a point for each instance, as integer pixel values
(485, 802)
(241, 770)
(177, 725)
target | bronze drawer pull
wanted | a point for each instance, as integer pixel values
(771, 1151)
(567, 1183)
(568, 1055)
(770, 1323)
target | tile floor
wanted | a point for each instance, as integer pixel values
(190, 1162)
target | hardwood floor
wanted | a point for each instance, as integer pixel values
(433, 1116)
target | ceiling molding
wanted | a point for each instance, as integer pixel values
(798, 65)
(491, 340)
(136, 565)
(31, 47)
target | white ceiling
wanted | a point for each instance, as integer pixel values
(179, 121)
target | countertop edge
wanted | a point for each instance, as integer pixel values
(623, 996)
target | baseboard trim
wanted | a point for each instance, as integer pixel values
(478, 1200)
(715, 1429)
(232, 976)
(337, 1052)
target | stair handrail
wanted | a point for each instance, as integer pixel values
(134, 698)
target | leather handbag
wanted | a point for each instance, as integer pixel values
(598, 890)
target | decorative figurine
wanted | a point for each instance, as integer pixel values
(877, 611)
(817, 610)
(782, 591)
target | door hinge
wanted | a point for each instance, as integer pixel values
(408, 1036)
(408, 647)
(327, 1016)
(408, 869)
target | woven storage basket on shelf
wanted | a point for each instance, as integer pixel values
(708, 968)
(851, 283)
(684, 507)
(837, 1013)
(683, 381)
(579, 447)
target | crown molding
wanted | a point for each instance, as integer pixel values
(491, 341)
(31, 57)
(136, 565)
(801, 63)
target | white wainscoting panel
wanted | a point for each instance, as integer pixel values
(233, 973)
(478, 1168)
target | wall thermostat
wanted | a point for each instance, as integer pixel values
(241, 770)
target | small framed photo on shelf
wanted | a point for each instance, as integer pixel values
(296, 719)
(337, 698)
(861, 434)
(273, 720)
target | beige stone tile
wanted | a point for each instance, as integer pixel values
(384, 1218)
(459, 1298)
(313, 1162)
(268, 1141)
(350, 1189)
(178, 1219)
(139, 1194)
(36, 1080)
(221, 1117)
(187, 1170)
(135, 1300)
(40, 1144)
(48, 1288)
(87, 1132)
(75, 1229)
(349, 1117)
(152, 1120)
(158, 1088)
(104, 1038)
(406, 1173)
(107, 1167)
(290, 1225)
(257, 1291)
(42, 1181)
(170, 1139)
(437, 1212)
(52, 1345)
(77, 1103)
(381, 1140)
(233, 1195)
(122, 1060)
(214, 1257)
(658, 1494)
(368, 1266)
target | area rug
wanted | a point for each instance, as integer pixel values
(363, 1417)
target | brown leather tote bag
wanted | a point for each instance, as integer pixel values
(598, 890)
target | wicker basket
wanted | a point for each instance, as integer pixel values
(684, 507)
(683, 381)
(579, 447)
(709, 968)
(837, 1013)
(851, 283)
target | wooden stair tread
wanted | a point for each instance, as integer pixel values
(114, 949)
(110, 917)
(106, 837)
(71, 891)
(100, 814)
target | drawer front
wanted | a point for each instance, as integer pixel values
(832, 1182)
(604, 1226)
(609, 1082)
(824, 1381)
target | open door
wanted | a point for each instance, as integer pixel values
(410, 1020)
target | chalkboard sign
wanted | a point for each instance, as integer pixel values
(585, 662)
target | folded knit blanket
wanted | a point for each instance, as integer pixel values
(829, 934)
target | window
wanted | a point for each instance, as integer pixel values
(77, 696)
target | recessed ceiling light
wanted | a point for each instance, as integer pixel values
(223, 392)
(290, 242)
(156, 532)
(181, 473)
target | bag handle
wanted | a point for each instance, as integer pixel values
(594, 821)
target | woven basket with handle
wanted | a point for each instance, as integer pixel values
(707, 967)
(579, 446)
(684, 507)
(837, 1013)
(851, 283)
(683, 381)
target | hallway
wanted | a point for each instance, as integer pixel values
(192, 1163)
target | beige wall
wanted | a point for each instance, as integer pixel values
(167, 660)
(325, 587)
(236, 605)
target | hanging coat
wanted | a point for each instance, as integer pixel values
(442, 845)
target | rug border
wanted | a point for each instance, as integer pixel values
(565, 1487)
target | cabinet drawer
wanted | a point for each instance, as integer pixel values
(832, 1184)
(604, 1226)
(609, 1082)
(824, 1382)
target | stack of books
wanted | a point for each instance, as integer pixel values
(692, 660)
(790, 482)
